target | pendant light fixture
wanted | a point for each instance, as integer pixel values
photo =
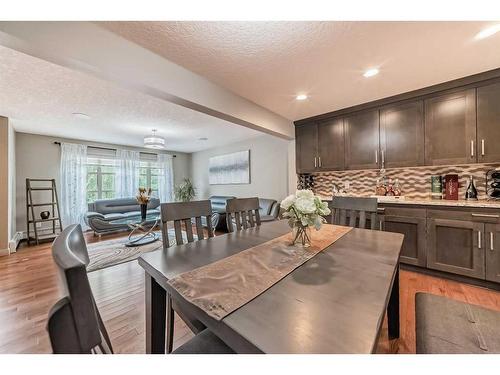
(154, 141)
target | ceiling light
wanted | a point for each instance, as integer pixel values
(81, 115)
(301, 97)
(371, 72)
(154, 141)
(489, 31)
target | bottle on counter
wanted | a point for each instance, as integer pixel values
(471, 192)
(436, 187)
(397, 188)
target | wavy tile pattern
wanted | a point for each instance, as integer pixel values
(415, 182)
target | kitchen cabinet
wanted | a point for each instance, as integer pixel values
(331, 145)
(488, 123)
(362, 140)
(402, 135)
(411, 222)
(456, 246)
(306, 144)
(450, 128)
(492, 250)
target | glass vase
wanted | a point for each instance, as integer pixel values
(301, 235)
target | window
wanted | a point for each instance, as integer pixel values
(101, 175)
(150, 175)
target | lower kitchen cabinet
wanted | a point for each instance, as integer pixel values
(410, 223)
(456, 246)
(492, 250)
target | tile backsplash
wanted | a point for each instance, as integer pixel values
(415, 182)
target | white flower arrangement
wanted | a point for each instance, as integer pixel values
(304, 209)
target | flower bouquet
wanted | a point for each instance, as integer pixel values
(303, 211)
(143, 197)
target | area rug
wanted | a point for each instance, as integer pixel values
(110, 253)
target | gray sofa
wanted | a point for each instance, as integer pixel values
(102, 212)
(269, 209)
(219, 211)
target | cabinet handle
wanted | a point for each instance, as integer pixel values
(478, 239)
(315, 162)
(376, 156)
(471, 148)
(485, 215)
(383, 158)
(319, 161)
(482, 147)
(492, 246)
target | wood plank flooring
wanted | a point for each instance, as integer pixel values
(29, 286)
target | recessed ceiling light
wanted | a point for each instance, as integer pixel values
(203, 139)
(489, 31)
(371, 72)
(301, 97)
(81, 115)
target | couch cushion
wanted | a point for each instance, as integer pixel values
(265, 206)
(121, 205)
(219, 203)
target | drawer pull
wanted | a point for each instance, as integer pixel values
(492, 246)
(479, 239)
(472, 148)
(490, 216)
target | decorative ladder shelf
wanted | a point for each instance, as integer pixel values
(30, 212)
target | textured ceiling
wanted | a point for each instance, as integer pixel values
(40, 97)
(270, 62)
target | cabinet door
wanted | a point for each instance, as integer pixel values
(306, 142)
(402, 135)
(331, 145)
(492, 249)
(450, 129)
(362, 140)
(456, 246)
(488, 123)
(414, 246)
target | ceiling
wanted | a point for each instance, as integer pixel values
(39, 97)
(269, 63)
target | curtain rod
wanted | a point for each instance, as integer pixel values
(114, 149)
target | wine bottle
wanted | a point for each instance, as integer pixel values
(471, 193)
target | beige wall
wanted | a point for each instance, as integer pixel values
(38, 157)
(269, 169)
(4, 187)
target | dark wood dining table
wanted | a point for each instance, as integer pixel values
(333, 303)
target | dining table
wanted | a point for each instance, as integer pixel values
(333, 303)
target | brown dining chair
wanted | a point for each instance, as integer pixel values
(74, 324)
(242, 212)
(353, 211)
(197, 213)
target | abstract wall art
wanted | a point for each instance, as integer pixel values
(228, 169)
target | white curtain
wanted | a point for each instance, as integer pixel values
(166, 183)
(73, 183)
(127, 173)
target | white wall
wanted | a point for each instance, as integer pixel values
(38, 157)
(269, 169)
(12, 182)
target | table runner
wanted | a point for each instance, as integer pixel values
(224, 286)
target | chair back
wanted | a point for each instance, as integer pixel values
(356, 209)
(187, 213)
(75, 325)
(244, 212)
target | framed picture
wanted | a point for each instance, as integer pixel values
(229, 169)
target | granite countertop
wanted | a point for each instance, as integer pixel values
(481, 203)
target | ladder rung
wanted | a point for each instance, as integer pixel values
(43, 204)
(44, 236)
(41, 179)
(42, 220)
(41, 188)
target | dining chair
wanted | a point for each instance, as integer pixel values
(198, 213)
(356, 210)
(242, 212)
(75, 324)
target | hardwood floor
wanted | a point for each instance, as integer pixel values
(29, 286)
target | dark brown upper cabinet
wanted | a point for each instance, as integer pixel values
(450, 128)
(488, 123)
(362, 140)
(331, 145)
(306, 147)
(402, 135)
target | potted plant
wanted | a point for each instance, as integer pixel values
(304, 210)
(143, 197)
(185, 191)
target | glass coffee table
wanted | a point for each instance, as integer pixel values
(142, 231)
